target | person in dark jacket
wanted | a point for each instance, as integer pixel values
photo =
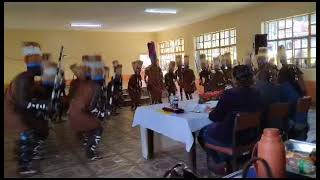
(270, 92)
(292, 88)
(242, 98)
(169, 80)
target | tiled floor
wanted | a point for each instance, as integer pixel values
(121, 150)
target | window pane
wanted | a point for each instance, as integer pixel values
(226, 41)
(288, 33)
(232, 41)
(273, 30)
(305, 53)
(217, 43)
(215, 52)
(313, 19)
(289, 44)
(313, 29)
(297, 43)
(312, 62)
(300, 26)
(217, 36)
(289, 53)
(201, 39)
(222, 34)
(313, 52)
(298, 53)
(281, 34)
(304, 43)
(222, 42)
(182, 48)
(282, 43)
(289, 23)
(226, 34)
(232, 33)
(281, 24)
(313, 42)
(272, 49)
(207, 44)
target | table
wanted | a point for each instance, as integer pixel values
(179, 127)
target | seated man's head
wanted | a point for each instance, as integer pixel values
(242, 76)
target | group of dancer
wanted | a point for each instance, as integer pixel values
(28, 103)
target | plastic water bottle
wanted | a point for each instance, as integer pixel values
(171, 100)
(175, 102)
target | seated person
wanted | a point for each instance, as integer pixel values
(242, 98)
(269, 91)
(291, 92)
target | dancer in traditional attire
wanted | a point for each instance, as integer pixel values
(189, 78)
(153, 76)
(179, 74)
(135, 84)
(204, 74)
(169, 79)
(21, 107)
(115, 88)
(84, 116)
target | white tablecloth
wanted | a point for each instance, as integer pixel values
(175, 126)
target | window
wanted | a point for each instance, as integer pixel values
(217, 43)
(298, 35)
(145, 59)
(169, 50)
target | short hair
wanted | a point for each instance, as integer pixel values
(243, 75)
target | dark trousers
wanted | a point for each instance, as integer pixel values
(188, 95)
(181, 95)
(203, 138)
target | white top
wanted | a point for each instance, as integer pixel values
(175, 126)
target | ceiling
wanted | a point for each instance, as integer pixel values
(115, 16)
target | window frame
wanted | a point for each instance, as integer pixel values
(216, 40)
(294, 59)
(172, 51)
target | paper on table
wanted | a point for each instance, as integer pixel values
(194, 107)
(212, 104)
